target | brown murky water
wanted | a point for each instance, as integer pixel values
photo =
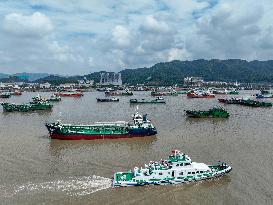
(37, 170)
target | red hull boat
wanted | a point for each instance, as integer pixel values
(205, 95)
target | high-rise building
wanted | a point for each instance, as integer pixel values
(110, 78)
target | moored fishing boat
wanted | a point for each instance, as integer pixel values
(245, 102)
(16, 92)
(168, 93)
(53, 98)
(107, 100)
(260, 96)
(200, 95)
(102, 130)
(5, 95)
(216, 112)
(177, 169)
(69, 94)
(9, 107)
(233, 92)
(141, 101)
(114, 93)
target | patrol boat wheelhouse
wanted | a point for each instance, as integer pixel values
(177, 169)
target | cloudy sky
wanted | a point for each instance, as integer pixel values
(83, 36)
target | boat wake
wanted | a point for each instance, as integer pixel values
(73, 186)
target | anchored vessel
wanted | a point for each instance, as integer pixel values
(53, 98)
(69, 94)
(259, 96)
(107, 100)
(216, 112)
(170, 93)
(140, 127)
(177, 169)
(200, 94)
(9, 107)
(247, 102)
(113, 93)
(156, 100)
(5, 95)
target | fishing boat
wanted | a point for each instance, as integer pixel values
(216, 112)
(5, 95)
(140, 127)
(156, 100)
(53, 98)
(107, 100)
(265, 92)
(202, 94)
(233, 92)
(16, 93)
(169, 93)
(177, 169)
(260, 96)
(31, 106)
(69, 94)
(182, 92)
(245, 102)
(113, 93)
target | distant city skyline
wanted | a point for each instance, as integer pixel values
(80, 37)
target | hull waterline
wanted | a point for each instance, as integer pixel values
(92, 137)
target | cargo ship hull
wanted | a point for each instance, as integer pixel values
(92, 137)
(102, 130)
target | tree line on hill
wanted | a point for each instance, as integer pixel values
(170, 73)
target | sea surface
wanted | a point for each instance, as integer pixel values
(37, 170)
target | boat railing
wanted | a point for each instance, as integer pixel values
(111, 123)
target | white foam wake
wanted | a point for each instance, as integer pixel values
(73, 186)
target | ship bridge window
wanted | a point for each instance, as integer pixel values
(186, 164)
(160, 173)
(182, 164)
(177, 165)
(193, 172)
(189, 172)
(197, 172)
(181, 173)
(201, 171)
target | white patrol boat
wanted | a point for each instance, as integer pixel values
(177, 169)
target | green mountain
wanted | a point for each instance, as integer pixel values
(30, 76)
(170, 73)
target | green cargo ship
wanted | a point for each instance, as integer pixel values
(216, 112)
(103, 130)
(9, 107)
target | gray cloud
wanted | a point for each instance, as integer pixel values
(86, 36)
